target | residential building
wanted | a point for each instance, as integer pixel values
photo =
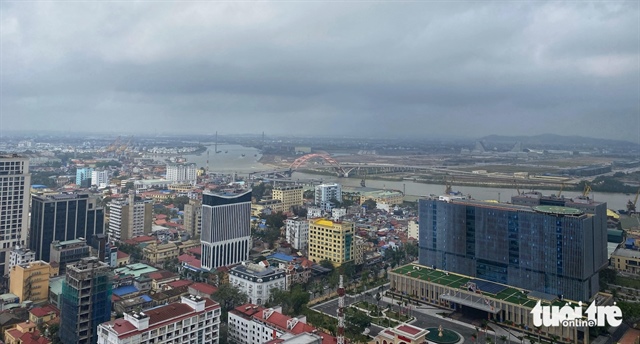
(24, 333)
(182, 173)
(193, 217)
(301, 338)
(226, 228)
(359, 247)
(254, 324)
(326, 194)
(266, 207)
(290, 196)
(332, 241)
(129, 217)
(338, 213)
(15, 182)
(42, 315)
(192, 320)
(314, 212)
(626, 260)
(86, 301)
(100, 178)
(388, 197)
(70, 251)
(550, 245)
(297, 233)
(401, 334)
(257, 281)
(413, 229)
(83, 177)
(30, 281)
(20, 255)
(63, 217)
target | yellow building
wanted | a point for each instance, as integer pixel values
(30, 281)
(258, 207)
(333, 241)
(159, 253)
(290, 196)
(13, 335)
(389, 197)
(626, 260)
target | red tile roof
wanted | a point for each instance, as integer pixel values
(143, 238)
(179, 283)
(162, 275)
(195, 250)
(409, 329)
(33, 338)
(44, 311)
(204, 288)
(161, 216)
(122, 255)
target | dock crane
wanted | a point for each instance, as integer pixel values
(517, 187)
(587, 190)
(631, 206)
(560, 192)
(448, 188)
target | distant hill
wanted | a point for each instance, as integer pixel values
(554, 139)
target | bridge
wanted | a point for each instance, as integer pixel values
(325, 161)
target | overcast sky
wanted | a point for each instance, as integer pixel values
(423, 68)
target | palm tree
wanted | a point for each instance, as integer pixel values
(503, 339)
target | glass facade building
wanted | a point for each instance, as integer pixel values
(550, 245)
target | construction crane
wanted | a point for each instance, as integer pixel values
(448, 187)
(587, 190)
(114, 146)
(515, 183)
(631, 206)
(561, 188)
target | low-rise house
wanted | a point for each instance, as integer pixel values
(42, 315)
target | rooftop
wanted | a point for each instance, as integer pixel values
(627, 253)
(555, 210)
(135, 269)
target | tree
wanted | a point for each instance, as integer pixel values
(356, 322)
(180, 201)
(276, 220)
(370, 204)
(308, 194)
(325, 263)
(228, 296)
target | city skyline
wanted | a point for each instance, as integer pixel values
(417, 69)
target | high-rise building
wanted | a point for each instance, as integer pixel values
(326, 194)
(129, 217)
(100, 178)
(67, 252)
(63, 217)
(193, 217)
(30, 281)
(86, 301)
(551, 245)
(83, 177)
(297, 233)
(192, 320)
(182, 173)
(332, 241)
(290, 196)
(226, 228)
(15, 182)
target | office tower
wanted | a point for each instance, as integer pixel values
(30, 281)
(63, 217)
(290, 196)
(130, 217)
(20, 255)
(193, 217)
(550, 245)
(166, 324)
(297, 233)
(70, 251)
(100, 178)
(332, 241)
(326, 194)
(182, 173)
(83, 176)
(15, 182)
(86, 301)
(226, 229)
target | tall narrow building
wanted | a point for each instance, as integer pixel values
(193, 217)
(331, 240)
(226, 228)
(86, 301)
(326, 194)
(130, 217)
(63, 217)
(15, 182)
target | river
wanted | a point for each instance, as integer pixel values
(233, 162)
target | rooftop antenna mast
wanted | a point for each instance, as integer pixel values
(341, 293)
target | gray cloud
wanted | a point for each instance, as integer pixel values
(393, 69)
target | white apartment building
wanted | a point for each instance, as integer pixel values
(257, 281)
(100, 178)
(297, 233)
(192, 320)
(338, 213)
(21, 255)
(253, 324)
(182, 173)
(413, 229)
(314, 213)
(15, 182)
(325, 193)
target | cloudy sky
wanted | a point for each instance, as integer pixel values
(417, 68)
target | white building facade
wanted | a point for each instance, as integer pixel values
(297, 233)
(325, 193)
(100, 178)
(15, 182)
(413, 229)
(192, 320)
(225, 228)
(182, 173)
(21, 255)
(257, 281)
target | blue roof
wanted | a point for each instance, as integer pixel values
(281, 256)
(124, 290)
(38, 186)
(630, 241)
(146, 298)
